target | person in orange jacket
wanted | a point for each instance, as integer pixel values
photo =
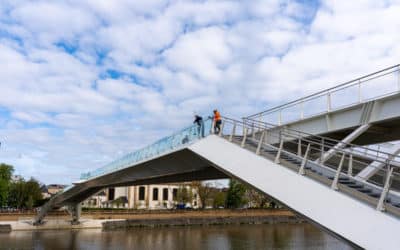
(217, 122)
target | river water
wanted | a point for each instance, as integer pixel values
(280, 236)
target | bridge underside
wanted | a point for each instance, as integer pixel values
(379, 132)
(179, 166)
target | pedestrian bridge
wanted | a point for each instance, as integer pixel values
(315, 176)
(366, 109)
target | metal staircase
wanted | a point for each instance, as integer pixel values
(336, 173)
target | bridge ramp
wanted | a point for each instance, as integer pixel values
(346, 217)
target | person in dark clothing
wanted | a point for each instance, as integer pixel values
(200, 125)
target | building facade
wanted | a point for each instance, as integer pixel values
(161, 196)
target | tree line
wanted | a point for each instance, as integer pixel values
(19, 193)
(237, 195)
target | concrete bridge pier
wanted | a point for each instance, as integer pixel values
(75, 211)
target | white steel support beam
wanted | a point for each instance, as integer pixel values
(304, 161)
(348, 139)
(375, 166)
(350, 167)
(278, 155)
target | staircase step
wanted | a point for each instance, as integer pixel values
(375, 195)
(355, 186)
(396, 205)
(346, 182)
(365, 190)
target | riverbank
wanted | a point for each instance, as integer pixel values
(120, 219)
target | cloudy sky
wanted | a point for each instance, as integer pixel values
(84, 82)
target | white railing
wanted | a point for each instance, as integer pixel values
(379, 84)
(257, 136)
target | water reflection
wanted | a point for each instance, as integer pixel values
(300, 236)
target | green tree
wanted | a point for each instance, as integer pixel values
(219, 199)
(29, 202)
(32, 189)
(255, 198)
(17, 194)
(184, 195)
(235, 197)
(6, 172)
(25, 194)
(205, 192)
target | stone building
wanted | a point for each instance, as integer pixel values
(160, 196)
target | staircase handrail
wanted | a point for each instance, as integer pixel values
(327, 140)
(286, 132)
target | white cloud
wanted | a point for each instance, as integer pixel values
(90, 80)
(50, 21)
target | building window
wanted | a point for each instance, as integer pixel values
(165, 194)
(175, 194)
(142, 192)
(111, 194)
(155, 194)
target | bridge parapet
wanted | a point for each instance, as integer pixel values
(364, 89)
(173, 142)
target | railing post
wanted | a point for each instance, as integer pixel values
(222, 128)
(381, 203)
(398, 78)
(328, 107)
(350, 168)
(253, 132)
(278, 155)
(280, 117)
(260, 143)
(302, 110)
(321, 158)
(334, 185)
(359, 91)
(233, 131)
(244, 137)
(304, 161)
(299, 147)
(212, 127)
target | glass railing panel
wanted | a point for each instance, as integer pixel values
(315, 105)
(380, 86)
(173, 142)
(344, 97)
